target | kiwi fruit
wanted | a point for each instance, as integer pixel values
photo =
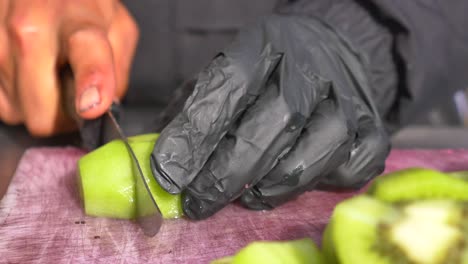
(107, 184)
(418, 183)
(300, 251)
(412, 216)
(463, 175)
(366, 230)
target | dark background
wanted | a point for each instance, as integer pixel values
(179, 37)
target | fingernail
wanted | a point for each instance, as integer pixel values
(89, 99)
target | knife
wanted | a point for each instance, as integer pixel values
(148, 214)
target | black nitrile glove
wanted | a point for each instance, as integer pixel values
(285, 109)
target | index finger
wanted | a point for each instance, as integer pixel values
(222, 93)
(90, 56)
(32, 30)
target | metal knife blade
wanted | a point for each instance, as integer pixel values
(149, 216)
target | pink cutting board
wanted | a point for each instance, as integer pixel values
(41, 220)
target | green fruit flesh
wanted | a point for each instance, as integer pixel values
(430, 231)
(413, 216)
(366, 230)
(463, 175)
(353, 231)
(417, 183)
(276, 252)
(107, 182)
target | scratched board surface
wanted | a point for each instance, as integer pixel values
(41, 220)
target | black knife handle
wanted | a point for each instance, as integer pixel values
(92, 132)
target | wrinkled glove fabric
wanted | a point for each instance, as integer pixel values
(285, 108)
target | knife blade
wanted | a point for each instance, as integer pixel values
(149, 216)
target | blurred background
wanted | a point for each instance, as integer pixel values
(179, 37)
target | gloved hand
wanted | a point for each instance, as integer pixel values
(285, 109)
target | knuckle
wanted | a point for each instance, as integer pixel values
(295, 121)
(367, 162)
(129, 25)
(133, 29)
(339, 129)
(345, 178)
(9, 116)
(23, 31)
(87, 35)
(39, 127)
(379, 142)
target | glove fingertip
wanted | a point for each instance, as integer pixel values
(163, 179)
(197, 209)
(251, 199)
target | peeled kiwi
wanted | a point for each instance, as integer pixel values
(418, 183)
(366, 230)
(412, 216)
(301, 251)
(107, 184)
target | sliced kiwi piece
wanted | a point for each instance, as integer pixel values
(301, 251)
(419, 183)
(429, 232)
(351, 235)
(463, 175)
(107, 184)
(366, 230)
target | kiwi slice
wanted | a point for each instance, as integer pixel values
(463, 175)
(352, 231)
(301, 251)
(419, 183)
(107, 184)
(366, 230)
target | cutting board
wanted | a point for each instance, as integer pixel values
(41, 220)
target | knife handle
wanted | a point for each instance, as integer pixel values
(93, 132)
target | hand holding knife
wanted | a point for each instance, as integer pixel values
(149, 216)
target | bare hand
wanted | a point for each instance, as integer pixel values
(97, 38)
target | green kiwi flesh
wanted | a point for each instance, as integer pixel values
(366, 230)
(106, 180)
(417, 184)
(299, 251)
